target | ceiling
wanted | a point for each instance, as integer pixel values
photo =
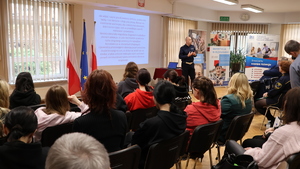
(269, 6)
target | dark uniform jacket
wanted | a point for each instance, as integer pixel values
(281, 86)
(184, 51)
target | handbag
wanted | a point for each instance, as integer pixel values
(232, 161)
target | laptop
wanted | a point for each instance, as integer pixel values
(172, 65)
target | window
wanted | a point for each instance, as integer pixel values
(37, 39)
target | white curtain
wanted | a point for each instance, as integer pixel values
(176, 30)
(37, 39)
(289, 32)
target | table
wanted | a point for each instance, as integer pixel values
(159, 72)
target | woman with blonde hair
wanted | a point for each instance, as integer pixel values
(128, 83)
(57, 109)
(4, 104)
(236, 102)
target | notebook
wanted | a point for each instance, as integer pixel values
(172, 65)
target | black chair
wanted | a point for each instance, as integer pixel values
(165, 154)
(34, 107)
(203, 139)
(50, 134)
(134, 118)
(127, 158)
(293, 161)
(237, 129)
(254, 86)
(183, 148)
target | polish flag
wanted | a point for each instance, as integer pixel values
(94, 57)
(73, 75)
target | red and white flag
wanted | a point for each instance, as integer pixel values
(73, 74)
(94, 57)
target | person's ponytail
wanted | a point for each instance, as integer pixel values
(15, 133)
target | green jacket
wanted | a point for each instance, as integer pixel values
(231, 107)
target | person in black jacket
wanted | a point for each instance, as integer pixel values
(275, 96)
(186, 54)
(169, 122)
(104, 122)
(128, 84)
(24, 93)
(19, 151)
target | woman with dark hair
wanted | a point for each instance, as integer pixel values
(24, 93)
(57, 110)
(19, 151)
(142, 97)
(182, 94)
(284, 141)
(103, 122)
(128, 84)
(208, 110)
(169, 122)
(274, 96)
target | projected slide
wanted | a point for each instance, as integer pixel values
(121, 38)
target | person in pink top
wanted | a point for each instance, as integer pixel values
(283, 142)
(142, 97)
(208, 109)
(57, 109)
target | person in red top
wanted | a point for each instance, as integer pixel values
(208, 110)
(142, 97)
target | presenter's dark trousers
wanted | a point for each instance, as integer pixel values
(188, 71)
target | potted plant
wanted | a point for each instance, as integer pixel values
(237, 60)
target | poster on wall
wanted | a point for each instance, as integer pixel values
(220, 38)
(219, 61)
(262, 45)
(198, 40)
(255, 67)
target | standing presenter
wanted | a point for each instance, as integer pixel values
(187, 54)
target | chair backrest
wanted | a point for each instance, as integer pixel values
(126, 158)
(34, 107)
(186, 137)
(163, 155)
(294, 161)
(140, 115)
(239, 127)
(204, 136)
(254, 86)
(50, 134)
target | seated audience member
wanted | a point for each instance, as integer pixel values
(284, 141)
(274, 96)
(181, 91)
(169, 122)
(19, 151)
(77, 151)
(104, 122)
(24, 93)
(57, 109)
(142, 97)
(4, 104)
(236, 102)
(128, 84)
(265, 80)
(207, 110)
(218, 75)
